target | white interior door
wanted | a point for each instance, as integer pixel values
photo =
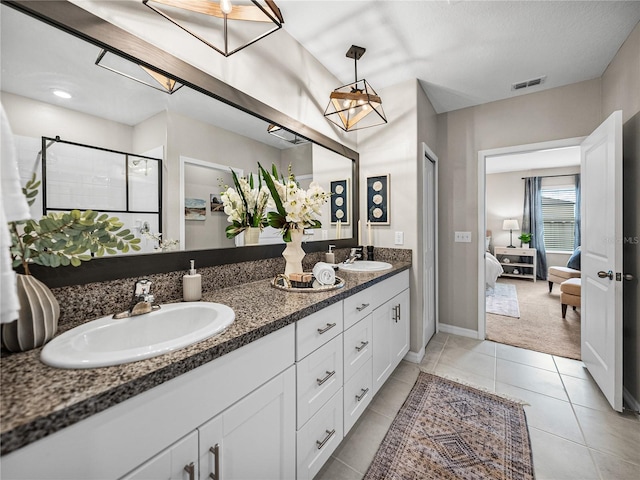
(601, 257)
(429, 282)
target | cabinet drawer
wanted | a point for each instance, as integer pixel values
(357, 346)
(319, 376)
(389, 288)
(357, 395)
(317, 329)
(317, 440)
(357, 307)
(514, 251)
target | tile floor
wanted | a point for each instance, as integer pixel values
(574, 433)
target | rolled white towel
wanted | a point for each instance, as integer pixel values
(324, 273)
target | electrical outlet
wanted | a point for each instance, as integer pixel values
(399, 238)
(464, 237)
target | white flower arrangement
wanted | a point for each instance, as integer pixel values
(296, 208)
(162, 245)
(245, 205)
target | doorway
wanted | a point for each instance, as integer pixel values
(430, 243)
(501, 174)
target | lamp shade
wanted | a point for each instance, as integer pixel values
(510, 224)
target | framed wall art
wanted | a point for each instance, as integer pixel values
(195, 209)
(378, 200)
(340, 207)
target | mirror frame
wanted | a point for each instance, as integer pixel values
(83, 24)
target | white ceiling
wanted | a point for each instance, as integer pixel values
(464, 53)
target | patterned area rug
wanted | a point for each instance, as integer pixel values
(446, 431)
(503, 300)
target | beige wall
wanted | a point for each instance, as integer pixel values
(621, 90)
(565, 112)
(621, 79)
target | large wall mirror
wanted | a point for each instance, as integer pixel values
(199, 133)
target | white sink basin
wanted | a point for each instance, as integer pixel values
(365, 266)
(107, 341)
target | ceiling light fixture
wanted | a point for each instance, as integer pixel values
(61, 93)
(356, 105)
(231, 26)
(138, 73)
(286, 135)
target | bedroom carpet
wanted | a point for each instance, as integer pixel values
(540, 326)
(446, 431)
(503, 300)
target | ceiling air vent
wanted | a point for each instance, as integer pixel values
(528, 83)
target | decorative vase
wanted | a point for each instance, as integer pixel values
(251, 235)
(293, 253)
(525, 245)
(37, 321)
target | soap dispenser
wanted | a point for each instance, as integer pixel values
(192, 285)
(330, 257)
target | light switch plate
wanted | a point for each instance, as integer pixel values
(464, 237)
(399, 238)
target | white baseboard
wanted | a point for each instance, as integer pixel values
(453, 330)
(631, 401)
(415, 357)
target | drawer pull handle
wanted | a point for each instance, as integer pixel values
(191, 470)
(363, 394)
(362, 307)
(362, 345)
(330, 434)
(327, 328)
(216, 462)
(329, 375)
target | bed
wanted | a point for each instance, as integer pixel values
(492, 270)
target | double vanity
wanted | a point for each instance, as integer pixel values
(272, 396)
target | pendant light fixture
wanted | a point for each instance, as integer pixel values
(227, 26)
(139, 73)
(356, 105)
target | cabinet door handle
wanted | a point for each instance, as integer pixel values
(362, 307)
(362, 345)
(191, 470)
(329, 375)
(363, 394)
(327, 328)
(330, 434)
(215, 475)
(399, 314)
(395, 313)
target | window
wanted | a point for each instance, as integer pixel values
(558, 213)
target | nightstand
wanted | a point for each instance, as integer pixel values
(522, 259)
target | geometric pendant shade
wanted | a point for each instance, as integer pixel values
(139, 73)
(356, 105)
(227, 26)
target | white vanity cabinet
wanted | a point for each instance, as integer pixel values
(178, 462)
(255, 438)
(276, 408)
(390, 335)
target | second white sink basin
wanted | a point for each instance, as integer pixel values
(365, 266)
(107, 341)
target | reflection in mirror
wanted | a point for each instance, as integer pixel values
(185, 128)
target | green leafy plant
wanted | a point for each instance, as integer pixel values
(295, 208)
(245, 205)
(525, 237)
(67, 238)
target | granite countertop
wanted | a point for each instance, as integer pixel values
(38, 400)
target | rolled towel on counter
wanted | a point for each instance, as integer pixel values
(324, 273)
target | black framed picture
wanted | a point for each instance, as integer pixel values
(378, 200)
(340, 205)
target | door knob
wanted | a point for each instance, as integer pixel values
(628, 277)
(603, 274)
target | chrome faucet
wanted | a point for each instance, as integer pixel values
(353, 256)
(142, 300)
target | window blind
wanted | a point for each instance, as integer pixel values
(558, 213)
